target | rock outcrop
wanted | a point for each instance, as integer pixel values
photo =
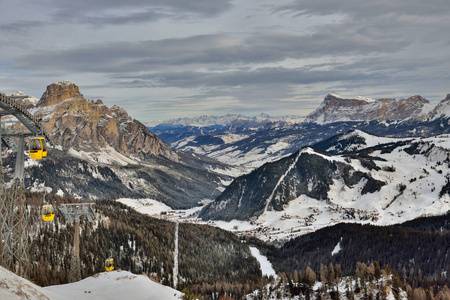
(71, 121)
(336, 109)
(58, 92)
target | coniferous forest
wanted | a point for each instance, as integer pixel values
(215, 261)
(210, 259)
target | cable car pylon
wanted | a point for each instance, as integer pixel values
(13, 213)
(72, 213)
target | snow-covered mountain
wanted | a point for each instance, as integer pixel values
(335, 108)
(225, 121)
(111, 285)
(366, 179)
(252, 144)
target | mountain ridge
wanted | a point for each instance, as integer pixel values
(337, 109)
(102, 153)
(250, 145)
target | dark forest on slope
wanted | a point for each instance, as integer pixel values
(416, 249)
(209, 258)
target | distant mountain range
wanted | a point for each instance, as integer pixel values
(251, 142)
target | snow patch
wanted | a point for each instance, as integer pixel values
(337, 248)
(145, 206)
(266, 266)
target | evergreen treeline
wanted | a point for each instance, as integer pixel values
(366, 282)
(211, 260)
(411, 252)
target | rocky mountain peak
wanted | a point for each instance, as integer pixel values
(335, 108)
(58, 92)
(417, 98)
(74, 122)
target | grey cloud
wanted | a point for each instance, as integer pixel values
(206, 50)
(20, 27)
(68, 10)
(131, 18)
(259, 77)
(368, 9)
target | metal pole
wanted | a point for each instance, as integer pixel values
(20, 237)
(75, 272)
(1, 142)
(2, 195)
(18, 173)
(77, 246)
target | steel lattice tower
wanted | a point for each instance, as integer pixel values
(3, 209)
(13, 212)
(14, 220)
(15, 242)
(72, 213)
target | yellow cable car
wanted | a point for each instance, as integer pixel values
(48, 214)
(109, 264)
(37, 148)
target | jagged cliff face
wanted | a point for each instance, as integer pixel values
(102, 153)
(71, 121)
(335, 109)
(442, 109)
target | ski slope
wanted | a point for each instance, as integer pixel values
(113, 285)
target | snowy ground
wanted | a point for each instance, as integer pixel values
(266, 266)
(115, 285)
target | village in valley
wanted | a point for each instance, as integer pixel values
(279, 227)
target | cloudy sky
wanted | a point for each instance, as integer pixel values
(163, 59)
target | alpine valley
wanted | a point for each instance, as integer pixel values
(225, 193)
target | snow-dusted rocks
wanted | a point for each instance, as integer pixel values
(335, 108)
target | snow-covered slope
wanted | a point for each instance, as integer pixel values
(386, 181)
(115, 285)
(371, 179)
(13, 287)
(231, 139)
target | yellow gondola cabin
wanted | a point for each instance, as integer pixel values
(48, 214)
(109, 264)
(37, 148)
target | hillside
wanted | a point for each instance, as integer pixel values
(335, 108)
(368, 179)
(209, 259)
(402, 248)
